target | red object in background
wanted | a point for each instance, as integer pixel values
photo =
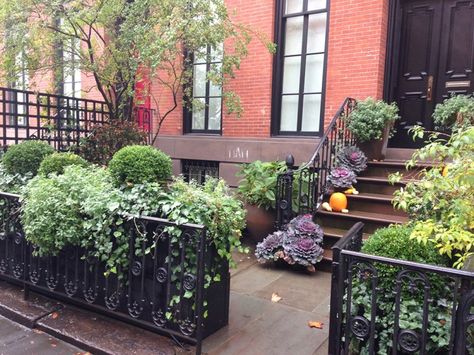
(142, 107)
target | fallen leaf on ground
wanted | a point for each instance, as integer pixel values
(313, 324)
(54, 315)
(275, 298)
(37, 331)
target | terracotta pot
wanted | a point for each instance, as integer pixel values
(260, 222)
(376, 149)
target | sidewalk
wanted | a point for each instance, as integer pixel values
(18, 340)
(258, 326)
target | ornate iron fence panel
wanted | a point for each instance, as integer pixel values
(301, 190)
(383, 305)
(163, 288)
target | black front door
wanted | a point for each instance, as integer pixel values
(433, 58)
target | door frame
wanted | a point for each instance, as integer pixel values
(393, 46)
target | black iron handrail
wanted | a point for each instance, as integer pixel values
(301, 190)
(351, 332)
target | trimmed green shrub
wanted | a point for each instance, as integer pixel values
(139, 164)
(26, 157)
(55, 163)
(395, 242)
(106, 140)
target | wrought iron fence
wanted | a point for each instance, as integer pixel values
(144, 294)
(301, 190)
(383, 305)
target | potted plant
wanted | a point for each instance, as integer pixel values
(455, 113)
(257, 189)
(299, 244)
(371, 122)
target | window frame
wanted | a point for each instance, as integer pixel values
(203, 165)
(278, 69)
(188, 111)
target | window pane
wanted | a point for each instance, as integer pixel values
(316, 33)
(215, 114)
(316, 5)
(291, 75)
(215, 90)
(199, 78)
(314, 73)
(200, 56)
(311, 113)
(198, 115)
(217, 53)
(293, 6)
(289, 113)
(294, 35)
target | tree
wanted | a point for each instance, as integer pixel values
(123, 42)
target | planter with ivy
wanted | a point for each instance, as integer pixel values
(371, 122)
(123, 242)
(257, 189)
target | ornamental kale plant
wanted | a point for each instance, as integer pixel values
(298, 243)
(352, 158)
(342, 177)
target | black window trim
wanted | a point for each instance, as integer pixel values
(188, 112)
(277, 86)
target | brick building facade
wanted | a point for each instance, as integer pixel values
(356, 44)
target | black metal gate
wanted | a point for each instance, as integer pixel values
(425, 309)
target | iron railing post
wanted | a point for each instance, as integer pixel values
(284, 200)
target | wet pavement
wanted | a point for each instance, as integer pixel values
(16, 339)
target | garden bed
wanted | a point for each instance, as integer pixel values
(164, 288)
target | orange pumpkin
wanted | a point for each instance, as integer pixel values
(338, 201)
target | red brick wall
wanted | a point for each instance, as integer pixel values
(356, 61)
(356, 56)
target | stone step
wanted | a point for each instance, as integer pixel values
(388, 167)
(378, 185)
(372, 220)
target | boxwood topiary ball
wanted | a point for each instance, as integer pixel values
(55, 163)
(26, 157)
(138, 164)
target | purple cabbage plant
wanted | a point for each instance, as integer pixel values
(298, 243)
(352, 158)
(342, 177)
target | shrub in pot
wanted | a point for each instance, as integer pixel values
(455, 112)
(26, 157)
(257, 189)
(371, 122)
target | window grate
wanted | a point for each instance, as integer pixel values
(199, 170)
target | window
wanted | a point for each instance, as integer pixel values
(71, 69)
(18, 99)
(206, 113)
(199, 170)
(299, 69)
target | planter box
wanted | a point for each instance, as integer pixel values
(144, 294)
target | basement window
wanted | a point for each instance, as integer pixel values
(199, 170)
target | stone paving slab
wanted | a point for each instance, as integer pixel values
(258, 327)
(16, 339)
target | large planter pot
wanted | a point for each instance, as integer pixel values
(260, 222)
(376, 149)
